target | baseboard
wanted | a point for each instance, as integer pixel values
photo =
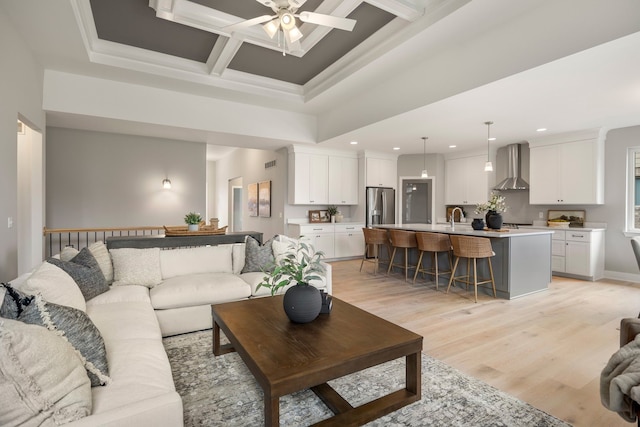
(618, 275)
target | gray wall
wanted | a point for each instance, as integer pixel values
(21, 97)
(97, 179)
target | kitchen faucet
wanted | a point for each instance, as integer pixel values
(452, 216)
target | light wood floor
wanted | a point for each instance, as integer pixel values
(547, 349)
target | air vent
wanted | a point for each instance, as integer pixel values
(270, 164)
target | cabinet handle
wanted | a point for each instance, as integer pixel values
(312, 201)
(350, 228)
(578, 235)
(317, 229)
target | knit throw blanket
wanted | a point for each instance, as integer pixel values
(620, 380)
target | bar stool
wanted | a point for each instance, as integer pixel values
(376, 237)
(472, 248)
(404, 240)
(436, 243)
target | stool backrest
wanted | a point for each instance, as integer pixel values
(433, 242)
(375, 236)
(471, 247)
(402, 239)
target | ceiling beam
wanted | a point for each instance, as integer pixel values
(222, 53)
(405, 9)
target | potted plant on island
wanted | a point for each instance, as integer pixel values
(302, 301)
(192, 220)
(494, 208)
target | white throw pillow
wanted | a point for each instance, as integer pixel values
(42, 379)
(136, 266)
(67, 253)
(55, 285)
(101, 254)
(204, 259)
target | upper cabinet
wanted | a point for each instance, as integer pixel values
(466, 182)
(381, 172)
(321, 177)
(567, 169)
(343, 180)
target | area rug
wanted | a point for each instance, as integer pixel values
(220, 391)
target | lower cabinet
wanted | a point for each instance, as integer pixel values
(335, 240)
(578, 253)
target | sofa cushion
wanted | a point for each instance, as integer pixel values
(118, 294)
(84, 270)
(237, 256)
(42, 380)
(136, 266)
(198, 289)
(55, 285)
(205, 259)
(72, 324)
(257, 257)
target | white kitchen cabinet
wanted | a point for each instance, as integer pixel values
(343, 180)
(308, 179)
(466, 182)
(381, 172)
(321, 236)
(349, 240)
(578, 253)
(567, 173)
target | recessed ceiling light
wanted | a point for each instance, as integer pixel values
(541, 129)
(452, 146)
(354, 143)
(396, 148)
(492, 139)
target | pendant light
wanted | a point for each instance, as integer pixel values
(424, 154)
(488, 167)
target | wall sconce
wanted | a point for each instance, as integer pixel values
(166, 184)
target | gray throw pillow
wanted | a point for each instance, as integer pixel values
(69, 322)
(85, 271)
(257, 258)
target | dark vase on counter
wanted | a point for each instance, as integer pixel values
(477, 224)
(494, 220)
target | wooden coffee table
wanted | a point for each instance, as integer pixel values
(286, 357)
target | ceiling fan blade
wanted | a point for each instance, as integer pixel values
(267, 3)
(328, 20)
(296, 3)
(249, 22)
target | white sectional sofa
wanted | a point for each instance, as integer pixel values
(174, 293)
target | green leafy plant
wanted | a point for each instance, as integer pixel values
(192, 218)
(496, 203)
(332, 210)
(297, 266)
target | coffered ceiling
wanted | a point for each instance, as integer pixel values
(409, 68)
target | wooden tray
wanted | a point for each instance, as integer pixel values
(182, 230)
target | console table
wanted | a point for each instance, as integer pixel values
(160, 241)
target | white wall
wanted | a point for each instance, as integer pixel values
(21, 89)
(97, 179)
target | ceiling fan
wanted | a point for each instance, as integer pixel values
(284, 20)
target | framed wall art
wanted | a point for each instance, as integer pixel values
(314, 216)
(252, 199)
(264, 199)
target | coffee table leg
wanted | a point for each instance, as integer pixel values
(271, 410)
(216, 339)
(414, 373)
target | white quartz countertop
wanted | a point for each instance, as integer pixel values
(542, 227)
(463, 230)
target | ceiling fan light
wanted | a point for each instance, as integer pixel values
(271, 28)
(294, 34)
(287, 21)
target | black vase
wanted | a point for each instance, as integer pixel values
(477, 224)
(302, 303)
(494, 220)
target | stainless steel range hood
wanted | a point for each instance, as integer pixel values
(513, 180)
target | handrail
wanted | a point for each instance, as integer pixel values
(46, 230)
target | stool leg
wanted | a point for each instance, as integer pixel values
(406, 264)
(435, 259)
(363, 257)
(453, 273)
(376, 258)
(393, 255)
(418, 267)
(493, 283)
(475, 280)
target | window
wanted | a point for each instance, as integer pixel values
(633, 193)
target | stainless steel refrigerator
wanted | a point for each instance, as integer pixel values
(380, 206)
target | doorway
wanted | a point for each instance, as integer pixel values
(235, 204)
(30, 220)
(417, 200)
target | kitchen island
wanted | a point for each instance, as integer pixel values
(522, 264)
